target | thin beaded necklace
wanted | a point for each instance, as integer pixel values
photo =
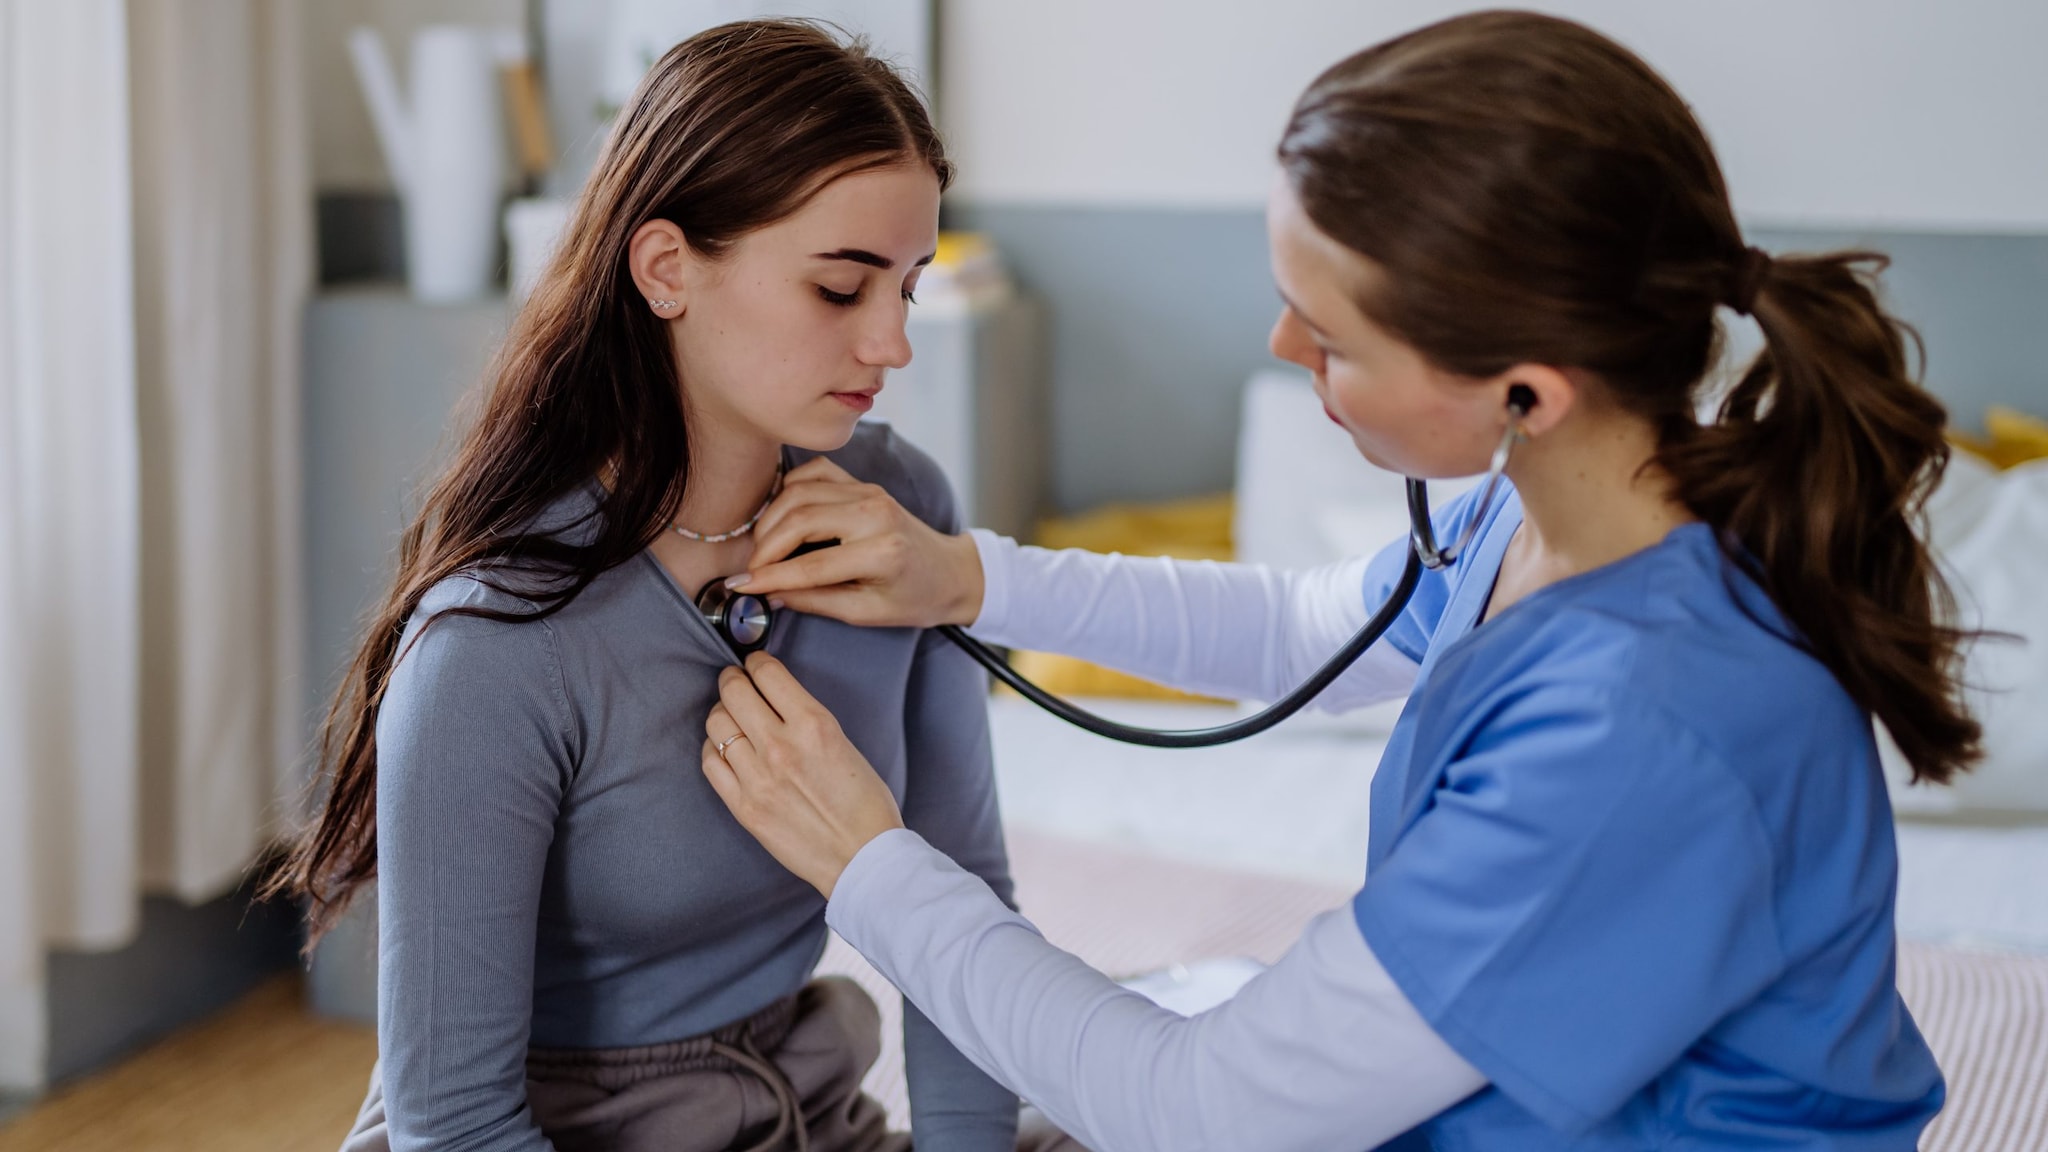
(774, 490)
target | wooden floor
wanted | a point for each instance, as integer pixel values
(264, 1076)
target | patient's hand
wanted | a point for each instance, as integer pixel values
(793, 779)
(889, 568)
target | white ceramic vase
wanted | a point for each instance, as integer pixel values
(446, 151)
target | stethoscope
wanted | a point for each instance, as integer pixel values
(745, 621)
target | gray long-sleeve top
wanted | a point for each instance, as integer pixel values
(555, 871)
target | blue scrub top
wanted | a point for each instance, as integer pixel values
(1632, 858)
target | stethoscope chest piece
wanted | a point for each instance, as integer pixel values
(742, 620)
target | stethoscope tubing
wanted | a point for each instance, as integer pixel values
(1267, 717)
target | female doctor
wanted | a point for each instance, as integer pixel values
(1631, 867)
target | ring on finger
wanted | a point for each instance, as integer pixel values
(721, 745)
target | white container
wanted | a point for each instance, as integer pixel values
(532, 228)
(446, 152)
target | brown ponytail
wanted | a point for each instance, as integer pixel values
(1819, 463)
(1534, 192)
(732, 130)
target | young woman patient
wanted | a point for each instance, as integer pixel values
(579, 948)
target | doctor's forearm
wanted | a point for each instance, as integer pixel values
(951, 921)
(1241, 631)
(1321, 1052)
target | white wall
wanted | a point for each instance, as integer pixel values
(1837, 113)
(1840, 113)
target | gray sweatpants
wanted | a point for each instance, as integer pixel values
(785, 1080)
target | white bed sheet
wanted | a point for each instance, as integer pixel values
(1293, 802)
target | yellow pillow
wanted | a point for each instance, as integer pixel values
(1192, 529)
(1066, 676)
(2010, 437)
(1195, 529)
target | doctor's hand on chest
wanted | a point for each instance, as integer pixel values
(781, 763)
(890, 569)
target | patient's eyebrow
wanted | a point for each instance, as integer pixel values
(871, 259)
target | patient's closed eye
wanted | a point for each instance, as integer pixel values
(849, 299)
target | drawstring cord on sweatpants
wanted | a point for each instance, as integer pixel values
(738, 1049)
(788, 1113)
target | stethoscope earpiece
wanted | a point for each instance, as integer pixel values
(743, 621)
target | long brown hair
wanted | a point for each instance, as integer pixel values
(1536, 193)
(733, 129)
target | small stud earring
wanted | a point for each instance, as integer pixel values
(661, 304)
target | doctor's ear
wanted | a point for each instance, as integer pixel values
(659, 260)
(1539, 395)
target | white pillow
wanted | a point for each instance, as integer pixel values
(1306, 497)
(1990, 531)
(1293, 467)
(1304, 494)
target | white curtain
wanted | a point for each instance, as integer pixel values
(156, 255)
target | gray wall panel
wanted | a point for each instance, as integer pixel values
(1158, 316)
(1979, 302)
(185, 963)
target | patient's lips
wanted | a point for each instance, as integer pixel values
(858, 401)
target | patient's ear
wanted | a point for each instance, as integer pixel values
(658, 258)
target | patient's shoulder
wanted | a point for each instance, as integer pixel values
(878, 455)
(473, 620)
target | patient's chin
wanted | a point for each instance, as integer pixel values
(823, 435)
